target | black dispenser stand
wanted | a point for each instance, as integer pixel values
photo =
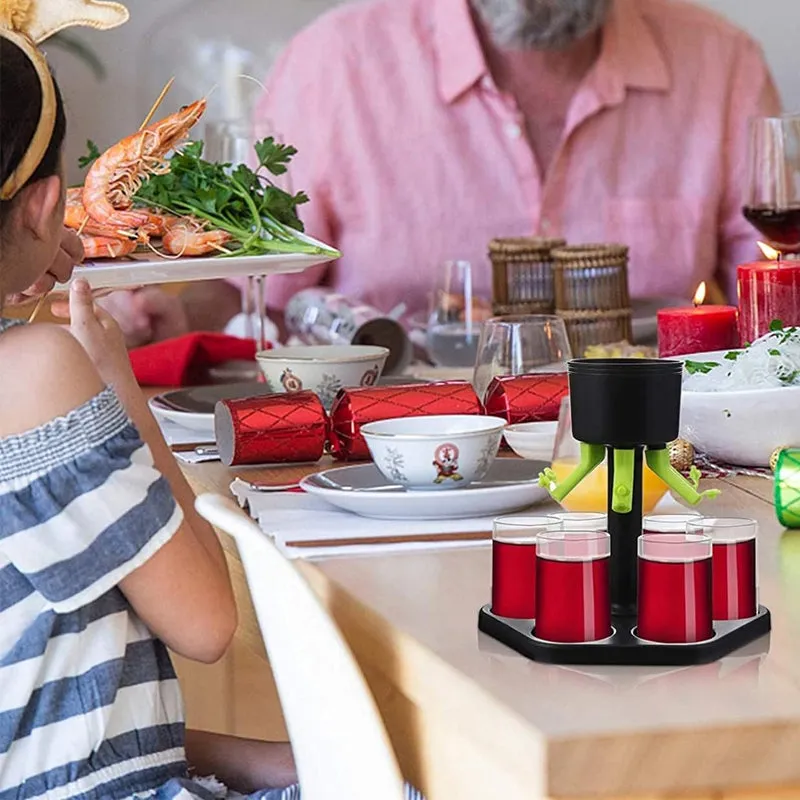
(629, 404)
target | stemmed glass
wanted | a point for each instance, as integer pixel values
(772, 202)
(455, 320)
(518, 346)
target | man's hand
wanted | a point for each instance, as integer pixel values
(69, 254)
(146, 315)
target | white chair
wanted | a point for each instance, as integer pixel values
(340, 744)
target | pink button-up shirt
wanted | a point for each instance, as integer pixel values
(411, 155)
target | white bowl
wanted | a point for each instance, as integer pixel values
(532, 440)
(323, 369)
(434, 453)
(742, 428)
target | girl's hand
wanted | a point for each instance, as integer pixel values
(98, 333)
(69, 254)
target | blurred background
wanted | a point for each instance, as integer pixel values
(207, 43)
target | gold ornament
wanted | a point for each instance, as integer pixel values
(773, 459)
(681, 454)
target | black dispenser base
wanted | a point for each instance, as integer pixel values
(623, 647)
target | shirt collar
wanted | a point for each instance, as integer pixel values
(459, 56)
(630, 57)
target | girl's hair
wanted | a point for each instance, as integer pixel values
(20, 107)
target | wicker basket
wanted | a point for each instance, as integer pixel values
(522, 271)
(591, 294)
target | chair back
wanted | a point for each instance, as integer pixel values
(340, 744)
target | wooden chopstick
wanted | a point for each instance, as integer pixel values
(149, 118)
(470, 536)
(39, 305)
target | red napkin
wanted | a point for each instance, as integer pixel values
(185, 361)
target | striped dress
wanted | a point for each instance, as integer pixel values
(89, 703)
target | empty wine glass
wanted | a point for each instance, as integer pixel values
(518, 346)
(455, 321)
(228, 142)
(772, 203)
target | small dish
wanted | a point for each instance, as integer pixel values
(510, 485)
(532, 440)
(434, 453)
(323, 369)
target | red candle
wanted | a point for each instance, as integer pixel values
(768, 290)
(699, 329)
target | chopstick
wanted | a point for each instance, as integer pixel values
(39, 305)
(470, 536)
(149, 118)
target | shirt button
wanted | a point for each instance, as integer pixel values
(486, 82)
(547, 226)
(513, 131)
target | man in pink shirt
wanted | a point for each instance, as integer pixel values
(427, 127)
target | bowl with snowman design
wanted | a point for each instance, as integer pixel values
(324, 369)
(436, 453)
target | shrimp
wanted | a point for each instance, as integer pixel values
(186, 239)
(118, 174)
(106, 247)
(75, 217)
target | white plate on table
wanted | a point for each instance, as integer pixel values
(142, 269)
(510, 485)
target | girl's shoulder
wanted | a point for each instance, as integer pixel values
(44, 374)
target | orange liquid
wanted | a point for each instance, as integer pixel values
(592, 493)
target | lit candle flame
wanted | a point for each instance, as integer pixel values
(770, 253)
(700, 294)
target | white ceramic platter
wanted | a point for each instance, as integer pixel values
(144, 269)
(202, 425)
(510, 485)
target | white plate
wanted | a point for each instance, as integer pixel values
(511, 485)
(143, 269)
(200, 424)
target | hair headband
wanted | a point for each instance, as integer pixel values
(27, 23)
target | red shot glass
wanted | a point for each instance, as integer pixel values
(674, 588)
(514, 564)
(734, 581)
(573, 589)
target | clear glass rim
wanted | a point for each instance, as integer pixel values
(553, 539)
(680, 521)
(669, 544)
(522, 528)
(722, 530)
(517, 319)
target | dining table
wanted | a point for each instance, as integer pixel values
(470, 718)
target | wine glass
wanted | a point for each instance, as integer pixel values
(772, 202)
(520, 345)
(454, 323)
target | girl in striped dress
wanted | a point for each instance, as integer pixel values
(103, 561)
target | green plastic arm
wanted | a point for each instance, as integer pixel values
(622, 494)
(658, 461)
(592, 456)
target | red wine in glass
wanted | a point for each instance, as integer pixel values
(675, 601)
(514, 579)
(778, 226)
(573, 600)
(734, 580)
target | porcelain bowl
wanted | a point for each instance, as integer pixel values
(532, 440)
(742, 428)
(323, 369)
(434, 453)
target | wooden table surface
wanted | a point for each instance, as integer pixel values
(469, 718)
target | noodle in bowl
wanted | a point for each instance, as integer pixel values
(743, 410)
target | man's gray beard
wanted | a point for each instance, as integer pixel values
(540, 24)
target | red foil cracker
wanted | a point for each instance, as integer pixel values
(526, 398)
(272, 429)
(356, 407)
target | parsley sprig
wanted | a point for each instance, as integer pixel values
(92, 154)
(261, 217)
